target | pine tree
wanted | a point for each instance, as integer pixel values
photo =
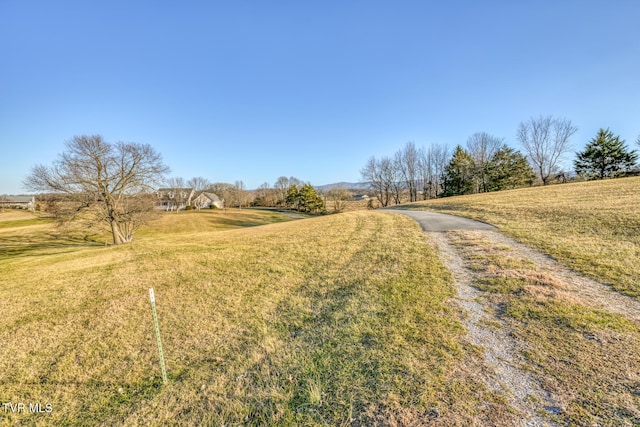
(458, 175)
(304, 199)
(292, 199)
(507, 169)
(605, 156)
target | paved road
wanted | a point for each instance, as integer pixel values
(432, 221)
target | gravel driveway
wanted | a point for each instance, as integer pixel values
(437, 222)
(502, 351)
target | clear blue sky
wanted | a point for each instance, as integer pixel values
(253, 90)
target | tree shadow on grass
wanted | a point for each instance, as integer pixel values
(44, 244)
(220, 222)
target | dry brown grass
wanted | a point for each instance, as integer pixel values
(334, 320)
(593, 227)
(210, 220)
(587, 359)
(14, 214)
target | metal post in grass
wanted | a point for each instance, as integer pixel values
(155, 321)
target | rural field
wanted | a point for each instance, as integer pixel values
(356, 319)
(338, 320)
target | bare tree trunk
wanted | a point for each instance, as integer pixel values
(406, 163)
(482, 146)
(116, 233)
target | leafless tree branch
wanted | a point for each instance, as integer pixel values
(102, 182)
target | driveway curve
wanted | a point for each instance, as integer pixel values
(438, 222)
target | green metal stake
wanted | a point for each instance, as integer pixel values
(155, 321)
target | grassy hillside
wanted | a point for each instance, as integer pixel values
(593, 227)
(210, 220)
(330, 321)
(25, 234)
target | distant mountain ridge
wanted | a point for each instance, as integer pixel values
(348, 185)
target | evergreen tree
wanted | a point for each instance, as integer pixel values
(508, 169)
(604, 156)
(309, 200)
(458, 176)
(304, 199)
(292, 198)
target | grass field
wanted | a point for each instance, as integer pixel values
(338, 320)
(593, 227)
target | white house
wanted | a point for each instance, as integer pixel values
(207, 199)
(19, 202)
(170, 199)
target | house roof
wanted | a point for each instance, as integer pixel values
(16, 199)
(211, 196)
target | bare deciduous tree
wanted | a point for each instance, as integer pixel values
(179, 194)
(265, 195)
(224, 191)
(373, 175)
(282, 186)
(234, 195)
(431, 165)
(545, 140)
(407, 162)
(442, 155)
(482, 147)
(339, 196)
(198, 183)
(105, 183)
(409, 169)
(392, 175)
(242, 196)
(176, 182)
(425, 173)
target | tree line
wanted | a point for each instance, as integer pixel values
(290, 193)
(287, 192)
(487, 163)
(113, 184)
(96, 183)
(234, 195)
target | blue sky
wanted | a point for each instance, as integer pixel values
(252, 90)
